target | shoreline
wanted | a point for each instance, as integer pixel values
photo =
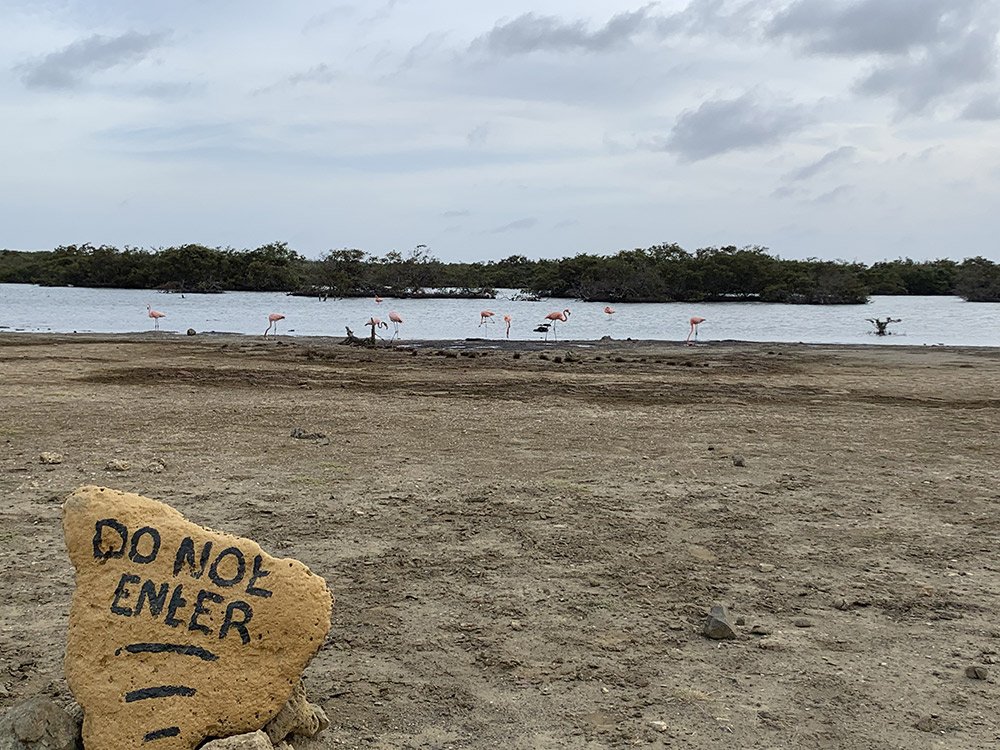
(152, 337)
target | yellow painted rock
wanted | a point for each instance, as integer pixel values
(178, 633)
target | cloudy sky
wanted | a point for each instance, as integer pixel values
(855, 129)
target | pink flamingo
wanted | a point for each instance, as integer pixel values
(396, 319)
(376, 323)
(557, 316)
(272, 322)
(507, 319)
(155, 315)
(378, 300)
(695, 321)
(609, 310)
(484, 320)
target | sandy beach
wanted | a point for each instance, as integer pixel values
(524, 541)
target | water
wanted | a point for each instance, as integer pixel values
(926, 320)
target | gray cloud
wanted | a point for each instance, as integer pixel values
(526, 223)
(985, 107)
(841, 191)
(915, 82)
(892, 27)
(828, 160)
(67, 68)
(924, 49)
(722, 125)
(321, 74)
(534, 33)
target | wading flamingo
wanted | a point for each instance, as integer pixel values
(484, 320)
(396, 319)
(155, 315)
(695, 321)
(272, 322)
(376, 323)
(555, 317)
(507, 319)
(378, 300)
(609, 310)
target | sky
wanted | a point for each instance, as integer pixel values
(840, 129)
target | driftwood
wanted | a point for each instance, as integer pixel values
(353, 340)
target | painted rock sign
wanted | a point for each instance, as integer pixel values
(177, 632)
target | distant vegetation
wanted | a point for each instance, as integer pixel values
(664, 273)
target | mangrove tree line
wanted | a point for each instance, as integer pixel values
(663, 273)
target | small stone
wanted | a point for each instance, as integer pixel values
(975, 672)
(251, 622)
(116, 464)
(659, 726)
(927, 723)
(298, 716)
(49, 458)
(765, 567)
(738, 460)
(253, 741)
(760, 630)
(841, 604)
(803, 622)
(156, 466)
(741, 621)
(717, 625)
(516, 625)
(38, 724)
(192, 332)
(300, 434)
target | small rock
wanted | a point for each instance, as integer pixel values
(976, 672)
(803, 622)
(768, 717)
(927, 723)
(717, 625)
(300, 434)
(38, 724)
(740, 621)
(156, 466)
(841, 604)
(711, 447)
(772, 644)
(738, 460)
(760, 630)
(192, 332)
(765, 567)
(50, 459)
(516, 625)
(116, 464)
(253, 741)
(659, 726)
(298, 716)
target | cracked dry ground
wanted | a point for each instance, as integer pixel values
(523, 551)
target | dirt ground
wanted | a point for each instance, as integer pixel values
(523, 550)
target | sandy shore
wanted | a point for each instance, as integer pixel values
(523, 550)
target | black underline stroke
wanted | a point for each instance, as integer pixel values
(159, 691)
(170, 648)
(159, 734)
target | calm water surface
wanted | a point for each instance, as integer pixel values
(926, 320)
